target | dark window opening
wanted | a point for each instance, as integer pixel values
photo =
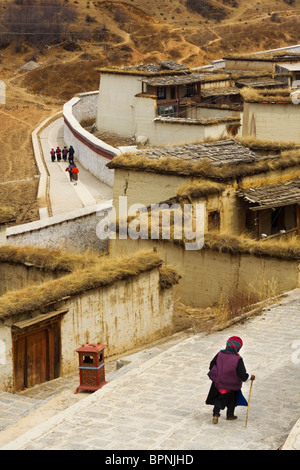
(214, 220)
(161, 93)
(277, 220)
(173, 92)
(191, 89)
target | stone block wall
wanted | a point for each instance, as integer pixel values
(73, 230)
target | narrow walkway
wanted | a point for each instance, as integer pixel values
(160, 404)
(64, 196)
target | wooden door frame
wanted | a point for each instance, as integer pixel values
(51, 325)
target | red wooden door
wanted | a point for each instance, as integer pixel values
(36, 358)
(36, 355)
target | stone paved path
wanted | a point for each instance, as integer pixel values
(160, 404)
(13, 406)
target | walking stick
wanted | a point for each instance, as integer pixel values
(248, 403)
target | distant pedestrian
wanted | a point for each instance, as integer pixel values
(75, 172)
(52, 153)
(65, 153)
(58, 154)
(69, 169)
(71, 154)
(227, 372)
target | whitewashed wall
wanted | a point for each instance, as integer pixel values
(164, 131)
(72, 230)
(116, 103)
(91, 152)
(122, 316)
(212, 113)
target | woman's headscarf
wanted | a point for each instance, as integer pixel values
(233, 345)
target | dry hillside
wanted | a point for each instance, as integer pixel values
(112, 32)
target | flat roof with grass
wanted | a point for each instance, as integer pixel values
(274, 96)
(102, 273)
(271, 56)
(220, 160)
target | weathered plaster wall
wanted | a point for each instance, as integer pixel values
(258, 65)
(144, 188)
(147, 188)
(200, 112)
(116, 103)
(170, 133)
(272, 122)
(73, 230)
(6, 359)
(85, 107)
(122, 316)
(17, 276)
(164, 132)
(208, 275)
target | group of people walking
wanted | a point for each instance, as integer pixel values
(59, 154)
(66, 154)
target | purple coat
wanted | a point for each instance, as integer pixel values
(224, 372)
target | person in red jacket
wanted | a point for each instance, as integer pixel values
(74, 173)
(58, 154)
(227, 372)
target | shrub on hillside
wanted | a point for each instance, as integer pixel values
(206, 9)
(38, 22)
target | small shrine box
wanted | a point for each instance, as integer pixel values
(91, 367)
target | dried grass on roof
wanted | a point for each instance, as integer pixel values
(48, 259)
(105, 273)
(168, 276)
(200, 188)
(198, 122)
(241, 245)
(143, 72)
(204, 168)
(171, 221)
(253, 74)
(257, 144)
(268, 56)
(222, 242)
(252, 95)
(291, 154)
(288, 250)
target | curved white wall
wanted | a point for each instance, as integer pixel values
(91, 152)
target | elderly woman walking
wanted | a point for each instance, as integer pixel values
(227, 372)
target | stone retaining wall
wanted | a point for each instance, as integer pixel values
(73, 230)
